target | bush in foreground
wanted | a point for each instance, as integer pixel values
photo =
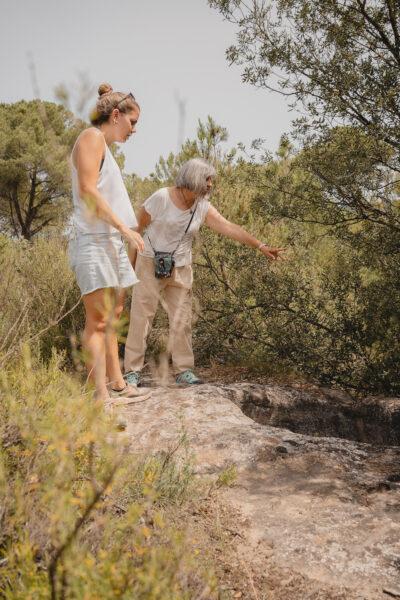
(81, 517)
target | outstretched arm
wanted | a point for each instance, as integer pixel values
(218, 223)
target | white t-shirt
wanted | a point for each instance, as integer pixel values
(168, 224)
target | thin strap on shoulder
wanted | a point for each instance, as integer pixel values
(184, 233)
(104, 152)
(187, 228)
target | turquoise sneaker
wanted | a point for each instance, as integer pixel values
(132, 378)
(188, 378)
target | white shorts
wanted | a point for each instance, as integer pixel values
(100, 260)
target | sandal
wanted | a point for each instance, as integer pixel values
(129, 395)
(129, 391)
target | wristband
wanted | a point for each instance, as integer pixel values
(261, 245)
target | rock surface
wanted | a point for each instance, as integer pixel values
(327, 507)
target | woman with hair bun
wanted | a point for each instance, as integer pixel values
(171, 218)
(103, 219)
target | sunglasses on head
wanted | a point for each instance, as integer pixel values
(130, 95)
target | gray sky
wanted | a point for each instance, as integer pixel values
(156, 49)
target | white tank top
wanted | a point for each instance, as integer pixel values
(112, 187)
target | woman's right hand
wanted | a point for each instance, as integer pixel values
(133, 238)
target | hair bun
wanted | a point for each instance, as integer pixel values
(104, 88)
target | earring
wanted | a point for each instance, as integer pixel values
(115, 121)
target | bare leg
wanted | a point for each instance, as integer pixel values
(97, 308)
(113, 368)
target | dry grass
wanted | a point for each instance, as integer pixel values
(80, 516)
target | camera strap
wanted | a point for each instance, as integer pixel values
(184, 233)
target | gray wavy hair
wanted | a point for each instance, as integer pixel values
(193, 175)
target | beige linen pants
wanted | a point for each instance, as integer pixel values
(176, 294)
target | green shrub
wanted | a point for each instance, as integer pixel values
(81, 517)
(37, 289)
(329, 312)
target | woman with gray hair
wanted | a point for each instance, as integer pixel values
(172, 216)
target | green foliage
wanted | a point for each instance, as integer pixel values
(207, 145)
(227, 477)
(332, 312)
(338, 59)
(37, 290)
(35, 141)
(80, 516)
(314, 314)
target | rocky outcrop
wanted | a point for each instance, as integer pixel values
(328, 507)
(323, 412)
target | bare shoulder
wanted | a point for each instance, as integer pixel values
(90, 140)
(90, 137)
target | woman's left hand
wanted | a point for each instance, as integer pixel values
(272, 253)
(133, 238)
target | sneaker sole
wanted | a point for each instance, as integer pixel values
(126, 401)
